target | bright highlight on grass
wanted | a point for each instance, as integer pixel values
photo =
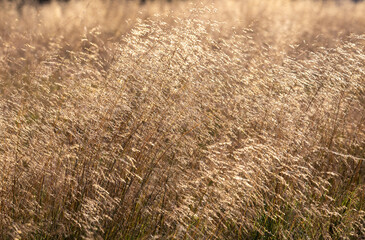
(222, 120)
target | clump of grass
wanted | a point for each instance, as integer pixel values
(234, 120)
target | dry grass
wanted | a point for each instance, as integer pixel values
(225, 120)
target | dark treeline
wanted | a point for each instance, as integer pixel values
(23, 2)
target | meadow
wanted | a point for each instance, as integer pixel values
(190, 120)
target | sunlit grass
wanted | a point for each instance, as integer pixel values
(215, 120)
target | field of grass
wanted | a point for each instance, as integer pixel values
(216, 120)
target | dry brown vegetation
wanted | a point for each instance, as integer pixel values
(222, 120)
